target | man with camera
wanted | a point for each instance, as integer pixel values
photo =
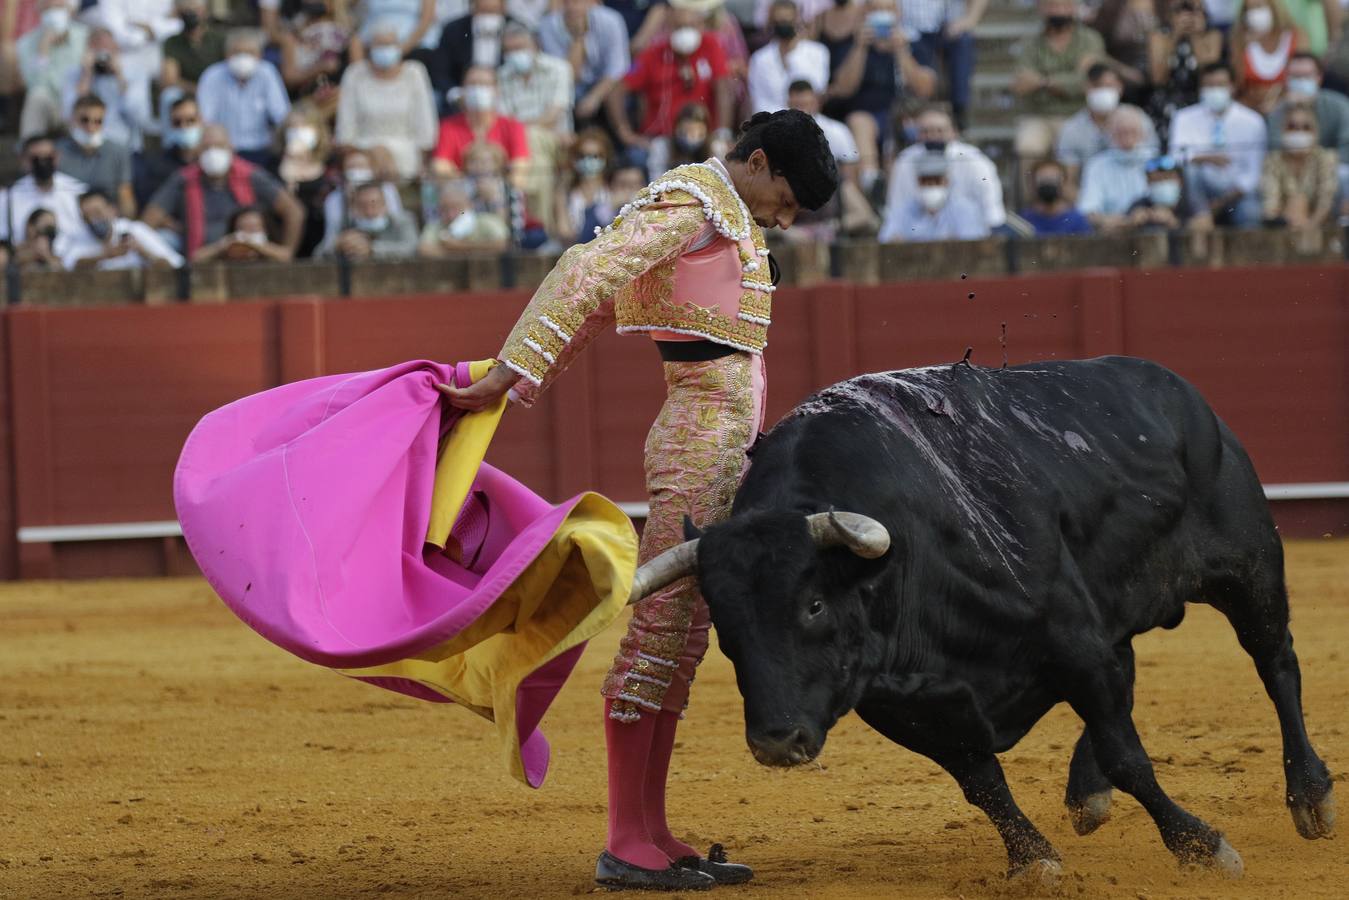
(112, 242)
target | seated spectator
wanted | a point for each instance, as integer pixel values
(457, 226)
(245, 240)
(112, 242)
(305, 148)
(536, 90)
(583, 195)
(936, 213)
(413, 21)
(1087, 133)
(43, 187)
(625, 182)
(1048, 80)
(358, 167)
(810, 11)
(1127, 27)
(39, 250)
(1162, 207)
(386, 101)
(485, 166)
(1050, 212)
(1186, 43)
(1263, 41)
(721, 24)
(1330, 107)
(140, 28)
(870, 71)
(125, 95)
(101, 164)
(1222, 145)
(245, 94)
(686, 68)
(49, 58)
(786, 58)
(178, 148)
(973, 176)
(943, 32)
(1298, 183)
(198, 201)
(691, 140)
(478, 38)
(188, 53)
(314, 52)
(1115, 178)
(481, 120)
(594, 40)
(854, 212)
(374, 232)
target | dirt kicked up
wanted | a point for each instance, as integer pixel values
(152, 746)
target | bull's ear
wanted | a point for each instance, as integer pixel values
(691, 532)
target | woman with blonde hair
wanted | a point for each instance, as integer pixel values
(1264, 39)
(1299, 182)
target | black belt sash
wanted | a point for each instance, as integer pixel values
(693, 351)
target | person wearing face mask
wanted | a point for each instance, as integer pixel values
(45, 187)
(1087, 132)
(372, 230)
(536, 90)
(414, 21)
(1331, 108)
(1050, 212)
(197, 201)
(357, 167)
(40, 249)
(387, 101)
(245, 93)
(139, 28)
(1263, 42)
(125, 93)
(314, 53)
(305, 146)
(110, 241)
(101, 164)
(593, 39)
(1184, 45)
(245, 241)
(177, 147)
(1162, 208)
(481, 121)
(1114, 178)
(1048, 81)
(972, 175)
(457, 226)
(478, 38)
(585, 203)
(1299, 181)
(1222, 146)
(48, 58)
(687, 67)
(786, 58)
(934, 213)
(191, 51)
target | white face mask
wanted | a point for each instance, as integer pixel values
(933, 197)
(1165, 193)
(488, 22)
(215, 161)
(358, 176)
(1103, 100)
(1303, 87)
(385, 56)
(243, 65)
(520, 60)
(301, 139)
(1260, 20)
(1298, 140)
(91, 140)
(56, 20)
(1216, 98)
(686, 40)
(479, 97)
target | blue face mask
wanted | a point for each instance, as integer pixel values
(378, 223)
(385, 56)
(1303, 87)
(187, 138)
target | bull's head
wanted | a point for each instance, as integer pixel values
(786, 596)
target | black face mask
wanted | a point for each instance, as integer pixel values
(1058, 23)
(44, 167)
(935, 146)
(190, 20)
(49, 233)
(686, 144)
(101, 228)
(784, 30)
(1048, 191)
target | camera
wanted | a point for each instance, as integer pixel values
(103, 63)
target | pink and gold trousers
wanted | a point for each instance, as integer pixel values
(695, 459)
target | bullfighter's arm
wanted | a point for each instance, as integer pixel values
(576, 300)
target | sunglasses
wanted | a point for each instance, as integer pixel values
(89, 120)
(182, 123)
(1299, 126)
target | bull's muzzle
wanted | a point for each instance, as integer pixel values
(784, 748)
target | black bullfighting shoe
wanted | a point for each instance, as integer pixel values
(616, 875)
(715, 864)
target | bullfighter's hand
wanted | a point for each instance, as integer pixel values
(482, 393)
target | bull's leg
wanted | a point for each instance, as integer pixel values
(1258, 611)
(982, 781)
(1088, 796)
(1100, 697)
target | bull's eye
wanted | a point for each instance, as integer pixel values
(816, 607)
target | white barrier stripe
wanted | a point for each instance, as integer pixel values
(45, 534)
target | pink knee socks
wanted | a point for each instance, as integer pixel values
(657, 772)
(629, 749)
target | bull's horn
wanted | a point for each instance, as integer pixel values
(669, 567)
(861, 534)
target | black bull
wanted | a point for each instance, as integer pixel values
(1039, 517)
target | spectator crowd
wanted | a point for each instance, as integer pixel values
(159, 132)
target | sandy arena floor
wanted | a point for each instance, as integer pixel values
(152, 746)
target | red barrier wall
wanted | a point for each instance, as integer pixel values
(99, 401)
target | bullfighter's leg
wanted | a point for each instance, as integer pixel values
(1257, 607)
(942, 721)
(1100, 696)
(1088, 796)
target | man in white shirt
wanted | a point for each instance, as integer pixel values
(933, 212)
(43, 187)
(786, 58)
(111, 242)
(856, 212)
(971, 176)
(1222, 145)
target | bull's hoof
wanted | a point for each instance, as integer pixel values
(1091, 814)
(1315, 820)
(1224, 860)
(1037, 875)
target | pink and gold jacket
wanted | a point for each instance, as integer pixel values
(683, 260)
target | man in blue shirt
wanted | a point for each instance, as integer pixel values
(934, 214)
(245, 93)
(1051, 213)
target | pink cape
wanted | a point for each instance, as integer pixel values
(307, 509)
